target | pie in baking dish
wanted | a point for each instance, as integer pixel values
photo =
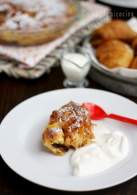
(28, 22)
(68, 127)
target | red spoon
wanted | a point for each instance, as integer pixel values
(97, 113)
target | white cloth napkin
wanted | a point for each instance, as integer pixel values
(32, 55)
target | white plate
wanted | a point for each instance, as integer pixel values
(121, 3)
(21, 149)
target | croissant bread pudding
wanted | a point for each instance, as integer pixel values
(29, 22)
(68, 127)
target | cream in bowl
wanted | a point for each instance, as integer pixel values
(75, 67)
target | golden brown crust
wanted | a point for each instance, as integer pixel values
(115, 29)
(69, 127)
(31, 38)
(115, 53)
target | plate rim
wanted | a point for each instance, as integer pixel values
(63, 188)
(121, 5)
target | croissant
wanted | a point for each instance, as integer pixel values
(115, 29)
(115, 53)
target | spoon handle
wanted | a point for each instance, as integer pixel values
(123, 119)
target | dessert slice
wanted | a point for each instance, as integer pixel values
(68, 127)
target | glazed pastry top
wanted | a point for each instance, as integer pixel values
(72, 114)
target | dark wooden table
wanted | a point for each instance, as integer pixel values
(12, 92)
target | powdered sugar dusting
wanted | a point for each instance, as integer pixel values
(75, 113)
(55, 129)
(31, 13)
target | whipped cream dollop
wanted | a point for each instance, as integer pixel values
(109, 148)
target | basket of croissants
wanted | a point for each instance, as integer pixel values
(113, 49)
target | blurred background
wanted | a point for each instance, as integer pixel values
(47, 45)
